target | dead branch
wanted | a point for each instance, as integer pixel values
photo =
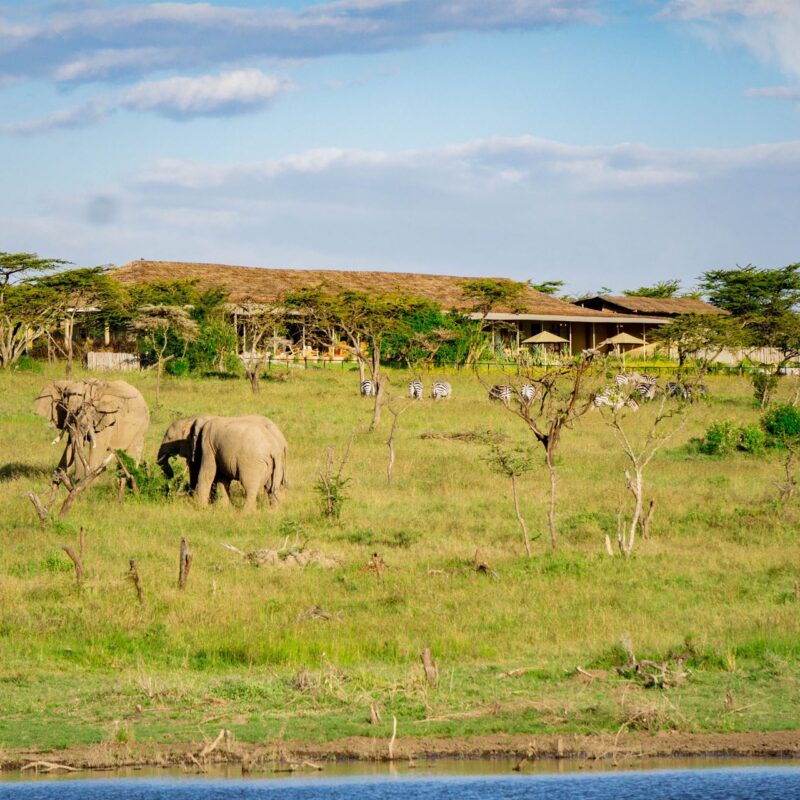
(391, 741)
(133, 577)
(126, 472)
(377, 565)
(429, 665)
(212, 746)
(482, 566)
(77, 559)
(184, 564)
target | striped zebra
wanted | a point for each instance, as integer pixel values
(367, 388)
(527, 392)
(441, 390)
(685, 391)
(415, 389)
(616, 400)
(502, 392)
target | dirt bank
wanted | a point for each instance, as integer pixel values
(288, 756)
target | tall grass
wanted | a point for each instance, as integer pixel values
(719, 568)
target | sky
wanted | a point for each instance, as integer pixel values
(606, 144)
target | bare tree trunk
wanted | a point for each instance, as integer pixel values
(77, 559)
(520, 519)
(376, 409)
(184, 564)
(551, 510)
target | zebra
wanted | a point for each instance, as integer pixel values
(415, 389)
(501, 392)
(685, 391)
(367, 388)
(441, 390)
(527, 392)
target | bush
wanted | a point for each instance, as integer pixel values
(721, 439)
(726, 437)
(179, 367)
(752, 439)
(782, 422)
(27, 364)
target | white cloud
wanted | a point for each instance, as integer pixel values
(522, 206)
(108, 41)
(227, 94)
(72, 117)
(234, 92)
(768, 28)
(779, 92)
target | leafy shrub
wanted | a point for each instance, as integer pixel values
(782, 422)
(150, 481)
(27, 364)
(752, 439)
(721, 438)
(725, 437)
(179, 367)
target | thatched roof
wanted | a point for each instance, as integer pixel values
(264, 285)
(665, 306)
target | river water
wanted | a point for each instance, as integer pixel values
(727, 783)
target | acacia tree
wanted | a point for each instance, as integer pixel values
(619, 403)
(157, 324)
(698, 338)
(558, 400)
(87, 293)
(26, 314)
(766, 302)
(668, 288)
(364, 321)
(259, 322)
(26, 311)
(22, 267)
(513, 463)
(485, 295)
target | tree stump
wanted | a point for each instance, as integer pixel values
(429, 665)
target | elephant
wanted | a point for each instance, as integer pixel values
(218, 450)
(103, 415)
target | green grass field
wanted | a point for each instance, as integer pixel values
(714, 583)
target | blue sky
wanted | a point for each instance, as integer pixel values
(603, 143)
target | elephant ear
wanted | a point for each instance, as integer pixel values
(46, 404)
(106, 411)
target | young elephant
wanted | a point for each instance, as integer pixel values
(176, 443)
(245, 449)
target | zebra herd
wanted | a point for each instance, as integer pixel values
(629, 390)
(440, 390)
(626, 390)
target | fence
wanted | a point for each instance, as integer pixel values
(122, 362)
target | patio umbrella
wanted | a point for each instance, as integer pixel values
(620, 340)
(544, 338)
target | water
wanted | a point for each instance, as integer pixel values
(739, 783)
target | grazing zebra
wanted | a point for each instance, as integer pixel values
(615, 399)
(527, 392)
(501, 392)
(645, 386)
(441, 390)
(415, 389)
(368, 388)
(686, 391)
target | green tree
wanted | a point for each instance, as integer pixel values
(668, 288)
(88, 294)
(26, 314)
(18, 267)
(548, 287)
(752, 293)
(698, 338)
(157, 324)
(487, 294)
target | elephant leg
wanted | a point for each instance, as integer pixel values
(205, 478)
(222, 493)
(251, 490)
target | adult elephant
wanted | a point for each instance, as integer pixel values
(97, 417)
(251, 450)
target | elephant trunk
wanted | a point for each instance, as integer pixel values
(164, 452)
